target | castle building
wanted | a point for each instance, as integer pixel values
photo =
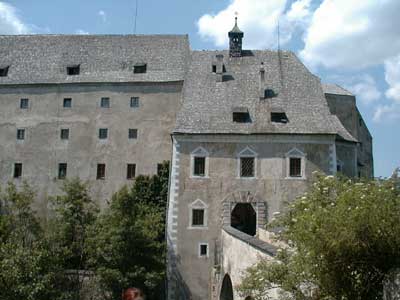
(244, 131)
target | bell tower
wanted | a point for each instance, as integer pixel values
(235, 41)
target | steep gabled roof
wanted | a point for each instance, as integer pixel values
(207, 106)
(102, 58)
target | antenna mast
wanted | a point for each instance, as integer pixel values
(279, 36)
(136, 13)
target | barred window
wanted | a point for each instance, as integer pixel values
(199, 166)
(24, 103)
(20, 134)
(135, 102)
(103, 133)
(131, 171)
(101, 171)
(105, 102)
(295, 167)
(247, 167)
(198, 217)
(62, 171)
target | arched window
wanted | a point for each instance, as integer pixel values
(226, 289)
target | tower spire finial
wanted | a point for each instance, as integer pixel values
(235, 40)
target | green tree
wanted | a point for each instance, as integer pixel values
(75, 212)
(28, 268)
(127, 244)
(343, 237)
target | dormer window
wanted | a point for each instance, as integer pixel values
(4, 71)
(279, 117)
(269, 93)
(241, 115)
(73, 70)
(214, 68)
(140, 68)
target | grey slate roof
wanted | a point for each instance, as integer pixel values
(208, 104)
(102, 58)
(335, 89)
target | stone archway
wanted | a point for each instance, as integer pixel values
(226, 289)
(244, 218)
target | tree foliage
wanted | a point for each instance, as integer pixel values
(343, 237)
(127, 244)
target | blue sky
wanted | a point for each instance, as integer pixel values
(355, 43)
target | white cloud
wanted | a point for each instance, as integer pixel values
(392, 76)
(257, 18)
(352, 34)
(102, 14)
(299, 11)
(81, 32)
(387, 113)
(10, 23)
(365, 88)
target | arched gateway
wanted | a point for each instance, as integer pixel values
(226, 289)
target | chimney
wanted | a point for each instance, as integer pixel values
(262, 80)
(220, 67)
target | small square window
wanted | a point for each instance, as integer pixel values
(105, 102)
(20, 134)
(62, 171)
(4, 71)
(295, 167)
(67, 103)
(73, 70)
(203, 250)
(101, 171)
(24, 103)
(17, 170)
(132, 133)
(103, 133)
(135, 102)
(198, 217)
(131, 171)
(199, 166)
(140, 68)
(64, 134)
(247, 167)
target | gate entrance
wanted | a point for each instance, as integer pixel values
(244, 218)
(226, 289)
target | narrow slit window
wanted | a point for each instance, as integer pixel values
(295, 167)
(4, 71)
(67, 103)
(247, 167)
(17, 170)
(279, 117)
(140, 68)
(64, 134)
(132, 134)
(73, 70)
(62, 171)
(103, 133)
(198, 217)
(131, 171)
(24, 103)
(20, 134)
(101, 172)
(105, 102)
(199, 168)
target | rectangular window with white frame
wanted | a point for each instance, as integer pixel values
(295, 164)
(247, 163)
(199, 163)
(198, 215)
(203, 250)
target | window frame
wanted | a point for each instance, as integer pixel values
(98, 175)
(140, 68)
(20, 165)
(4, 71)
(104, 100)
(62, 131)
(24, 100)
(64, 176)
(134, 100)
(135, 136)
(128, 174)
(73, 70)
(100, 135)
(198, 205)
(199, 152)
(23, 134)
(247, 152)
(296, 153)
(202, 244)
(67, 100)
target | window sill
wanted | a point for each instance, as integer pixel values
(247, 178)
(198, 227)
(296, 178)
(199, 177)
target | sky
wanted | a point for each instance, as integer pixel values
(354, 43)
